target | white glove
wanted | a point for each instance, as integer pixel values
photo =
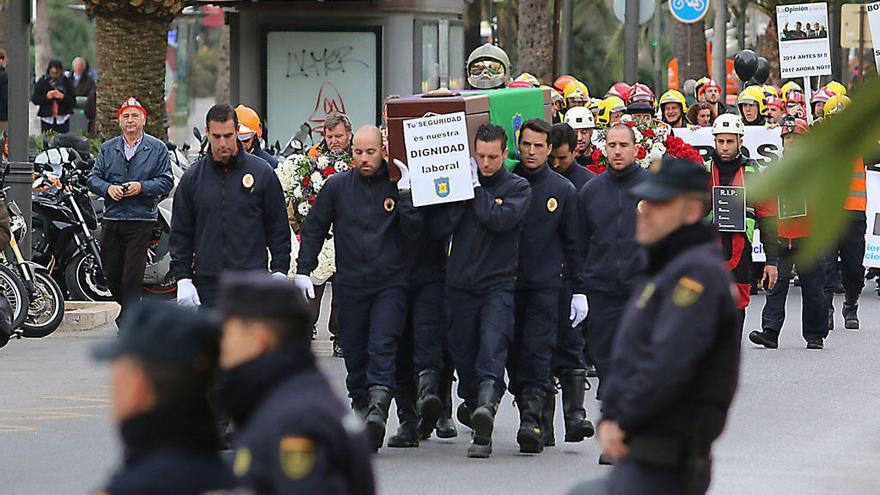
(405, 182)
(304, 284)
(280, 276)
(187, 295)
(579, 309)
(475, 173)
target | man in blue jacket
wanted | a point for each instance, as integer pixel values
(229, 210)
(131, 173)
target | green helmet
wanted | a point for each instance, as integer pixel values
(488, 67)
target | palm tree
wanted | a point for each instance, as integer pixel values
(132, 40)
(534, 40)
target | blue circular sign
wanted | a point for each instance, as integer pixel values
(689, 11)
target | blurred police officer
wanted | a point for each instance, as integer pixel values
(676, 353)
(229, 212)
(569, 363)
(295, 435)
(163, 364)
(481, 263)
(547, 244)
(613, 260)
(369, 215)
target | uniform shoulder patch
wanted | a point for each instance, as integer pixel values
(687, 292)
(242, 463)
(389, 204)
(247, 181)
(498, 201)
(297, 456)
(552, 204)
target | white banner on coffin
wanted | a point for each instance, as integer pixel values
(438, 158)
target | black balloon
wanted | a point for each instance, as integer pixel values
(745, 63)
(763, 71)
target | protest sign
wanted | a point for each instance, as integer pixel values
(872, 236)
(804, 49)
(760, 143)
(873, 13)
(438, 158)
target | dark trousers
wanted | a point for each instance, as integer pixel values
(535, 327)
(606, 311)
(315, 307)
(813, 303)
(851, 251)
(570, 353)
(208, 289)
(370, 327)
(630, 477)
(428, 322)
(480, 330)
(59, 128)
(124, 256)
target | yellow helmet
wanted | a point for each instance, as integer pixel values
(674, 96)
(607, 107)
(576, 91)
(770, 90)
(554, 95)
(836, 104)
(753, 95)
(526, 77)
(836, 88)
(790, 86)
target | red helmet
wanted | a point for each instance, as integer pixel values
(794, 97)
(823, 94)
(641, 93)
(773, 101)
(795, 125)
(620, 90)
(562, 81)
(519, 84)
(711, 83)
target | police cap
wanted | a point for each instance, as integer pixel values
(670, 177)
(258, 295)
(162, 333)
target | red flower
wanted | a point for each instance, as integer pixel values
(306, 181)
(631, 123)
(328, 171)
(649, 133)
(312, 199)
(640, 152)
(596, 156)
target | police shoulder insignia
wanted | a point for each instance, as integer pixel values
(297, 457)
(686, 292)
(498, 201)
(247, 181)
(242, 463)
(389, 204)
(647, 293)
(552, 204)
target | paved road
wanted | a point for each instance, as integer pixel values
(804, 422)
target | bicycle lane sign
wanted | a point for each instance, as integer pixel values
(689, 11)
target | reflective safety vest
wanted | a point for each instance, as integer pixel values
(857, 200)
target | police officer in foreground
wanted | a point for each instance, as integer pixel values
(369, 215)
(563, 155)
(549, 242)
(676, 355)
(295, 435)
(482, 251)
(163, 365)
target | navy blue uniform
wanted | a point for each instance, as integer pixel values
(481, 261)
(224, 219)
(613, 261)
(369, 219)
(261, 153)
(578, 175)
(169, 452)
(675, 366)
(549, 242)
(295, 435)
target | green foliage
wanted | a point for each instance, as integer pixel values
(204, 62)
(820, 166)
(72, 33)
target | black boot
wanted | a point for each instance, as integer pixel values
(851, 315)
(577, 425)
(483, 418)
(429, 403)
(547, 419)
(361, 406)
(464, 412)
(407, 435)
(829, 305)
(377, 415)
(530, 437)
(445, 425)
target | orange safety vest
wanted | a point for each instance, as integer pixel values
(857, 200)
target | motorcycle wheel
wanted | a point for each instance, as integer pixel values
(83, 281)
(13, 289)
(46, 310)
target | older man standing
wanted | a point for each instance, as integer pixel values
(131, 172)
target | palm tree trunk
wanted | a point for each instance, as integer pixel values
(221, 85)
(690, 46)
(42, 38)
(534, 40)
(124, 74)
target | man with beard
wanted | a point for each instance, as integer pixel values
(711, 93)
(336, 144)
(581, 120)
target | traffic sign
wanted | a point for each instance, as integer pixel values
(646, 10)
(689, 11)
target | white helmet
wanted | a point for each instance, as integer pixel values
(580, 118)
(728, 124)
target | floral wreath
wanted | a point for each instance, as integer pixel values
(654, 139)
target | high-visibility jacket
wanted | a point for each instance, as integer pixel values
(857, 200)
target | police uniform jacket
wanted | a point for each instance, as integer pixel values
(549, 239)
(225, 216)
(483, 248)
(369, 219)
(578, 175)
(613, 260)
(295, 435)
(675, 360)
(170, 452)
(427, 255)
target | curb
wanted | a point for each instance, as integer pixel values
(82, 316)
